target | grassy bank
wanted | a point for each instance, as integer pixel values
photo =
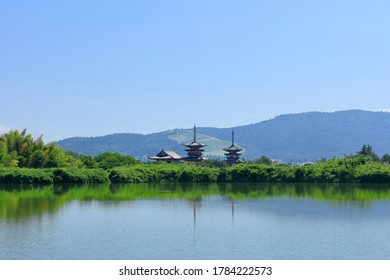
(52, 175)
(345, 170)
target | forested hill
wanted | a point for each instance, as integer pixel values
(288, 138)
(138, 145)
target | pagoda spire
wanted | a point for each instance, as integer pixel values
(232, 137)
(194, 133)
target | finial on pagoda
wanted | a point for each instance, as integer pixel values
(194, 132)
(233, 137)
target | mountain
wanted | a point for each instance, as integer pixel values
(288, 138)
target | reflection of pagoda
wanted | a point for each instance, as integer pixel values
(194, 150)
(233, 155)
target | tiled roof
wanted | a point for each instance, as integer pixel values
(173, 154)
(233, 148)
(166, 155)
(195, 144)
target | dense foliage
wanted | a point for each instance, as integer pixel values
(19, 149)
(164, 172)
(353, 169)
(52, 175)
(110, 160)
(350, 169)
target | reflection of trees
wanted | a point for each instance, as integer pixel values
(23, 208)
(339, 192)
(196, 191)
(17, 204)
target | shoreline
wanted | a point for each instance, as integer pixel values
(345, 170)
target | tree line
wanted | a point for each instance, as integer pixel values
(24, 159)
(20, 149)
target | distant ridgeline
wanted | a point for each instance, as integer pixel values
(305, 137)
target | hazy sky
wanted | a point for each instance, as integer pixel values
(87, 68)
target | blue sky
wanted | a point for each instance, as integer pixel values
(87, 68)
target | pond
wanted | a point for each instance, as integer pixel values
(185, 221)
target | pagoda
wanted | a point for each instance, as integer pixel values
(233, 155)
(194, 150)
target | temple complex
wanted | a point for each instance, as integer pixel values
(195, 153)
(233, 155)
(194, 150)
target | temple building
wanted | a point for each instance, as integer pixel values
(194, 150)
(233, 155)
(167, 156)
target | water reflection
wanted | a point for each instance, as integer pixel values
(25, 202)
(24, 208)
(196, 221)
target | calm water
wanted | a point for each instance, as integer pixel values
(212, 226)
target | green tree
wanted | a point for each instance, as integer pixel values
(385, 158)
(110, 160)
(368, 151)
(38, 159)
(87, 161)
(263, 160)
(19, 149)
(213, 163)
